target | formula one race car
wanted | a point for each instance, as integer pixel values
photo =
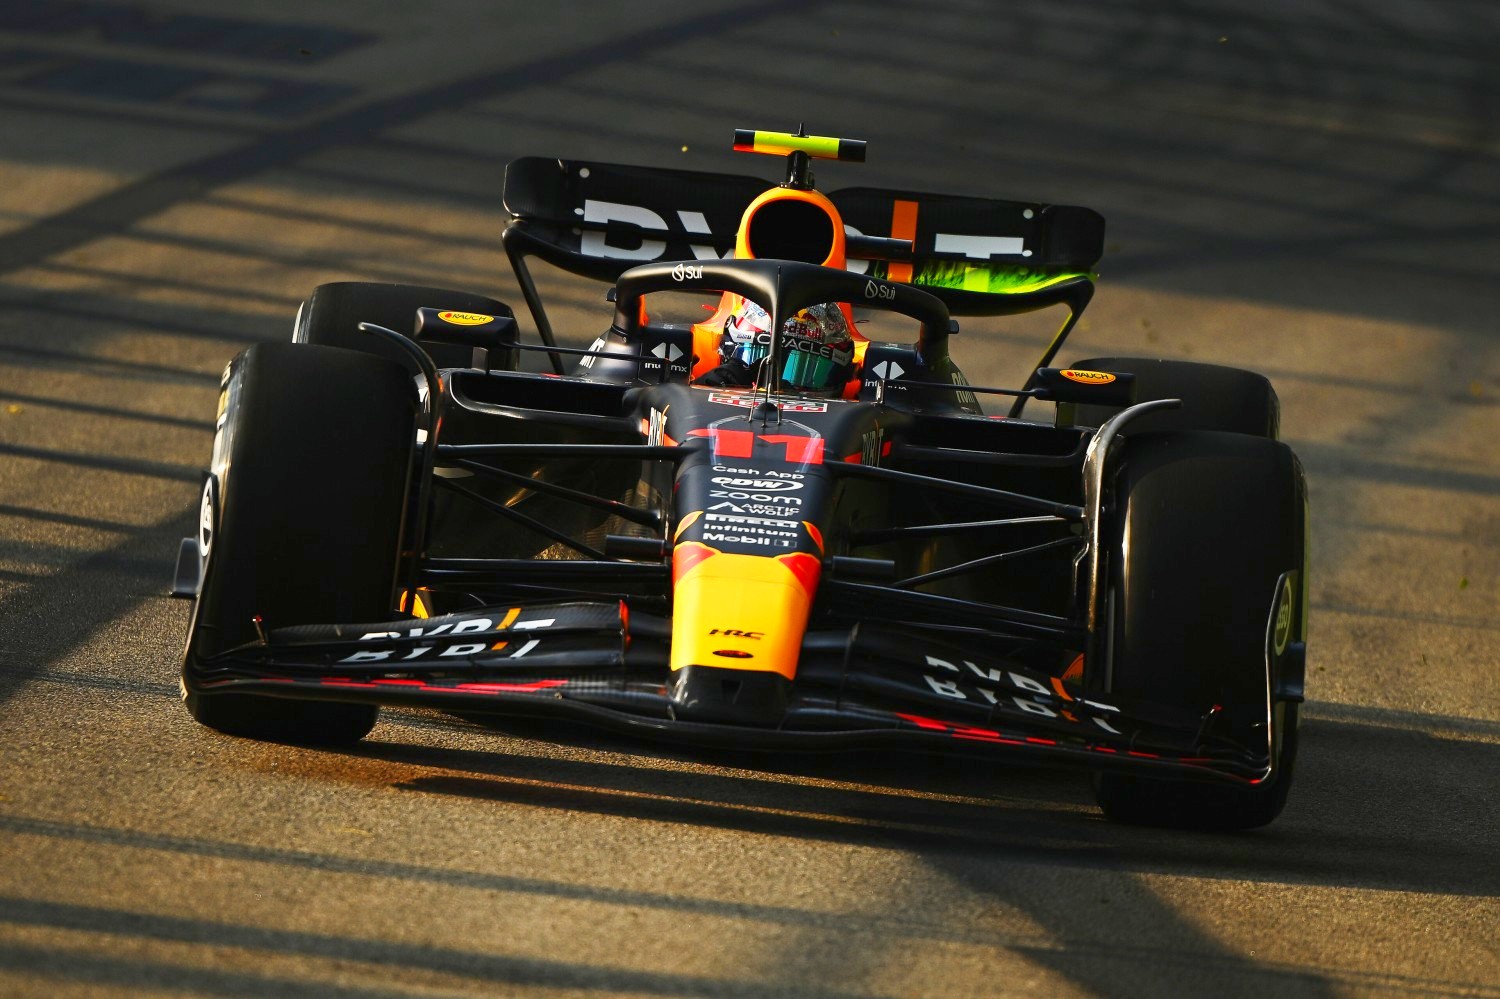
(762, 530)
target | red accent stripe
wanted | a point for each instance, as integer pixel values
(733, 443)
(522, 688)
(340, 681)
(727, 443)
(920, 722)
(687, 555)
(801, 450)
(997, 738)
(807, 568)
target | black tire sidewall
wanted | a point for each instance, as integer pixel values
(1206, 523)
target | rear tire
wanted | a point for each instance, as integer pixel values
(331, 318)
(311, 468)
(1213, 398)
(1208, 524)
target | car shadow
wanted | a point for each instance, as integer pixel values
(1369, 786)
(1365, 791)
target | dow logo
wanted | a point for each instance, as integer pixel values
(762, 485)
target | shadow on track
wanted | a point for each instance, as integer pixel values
(488, 971)
(1365, 794)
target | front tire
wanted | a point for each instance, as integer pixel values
(312, 462)
(1208, 524)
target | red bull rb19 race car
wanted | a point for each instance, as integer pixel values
(762, 530)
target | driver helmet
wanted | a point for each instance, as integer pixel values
(817, 345)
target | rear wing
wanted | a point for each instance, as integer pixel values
(979, 256)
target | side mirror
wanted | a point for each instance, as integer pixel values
(1095, 388)
(489, 334)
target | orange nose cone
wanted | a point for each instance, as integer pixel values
(742, 612)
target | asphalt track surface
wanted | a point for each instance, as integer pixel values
(1308, 189)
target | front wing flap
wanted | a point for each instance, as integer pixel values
(596, 662)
